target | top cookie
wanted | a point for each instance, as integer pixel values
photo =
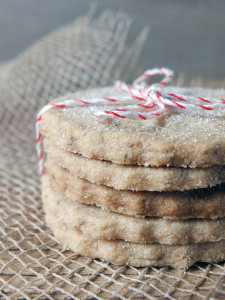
(178, 137)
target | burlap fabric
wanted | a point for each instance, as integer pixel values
(89, 52)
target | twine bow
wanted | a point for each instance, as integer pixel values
(154, 102)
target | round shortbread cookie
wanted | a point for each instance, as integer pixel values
(139, 255)
(204, 203)
(179, 137)
(100, 224)
(136, 178)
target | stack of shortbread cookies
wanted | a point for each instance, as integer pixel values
(137, 192)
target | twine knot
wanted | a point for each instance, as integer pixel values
(140, 90)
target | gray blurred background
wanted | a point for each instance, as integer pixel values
(187, 36)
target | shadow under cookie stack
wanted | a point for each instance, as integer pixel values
(136, 192)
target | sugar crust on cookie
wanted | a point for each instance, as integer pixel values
(180, 137)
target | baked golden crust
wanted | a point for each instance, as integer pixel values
(121, 252)
(100, 224)
(135, 178)
(204, 203)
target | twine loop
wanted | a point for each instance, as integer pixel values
(140, 89)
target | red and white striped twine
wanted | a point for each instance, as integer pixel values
(145, 102)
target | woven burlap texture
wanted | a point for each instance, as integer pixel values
(89, 52)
